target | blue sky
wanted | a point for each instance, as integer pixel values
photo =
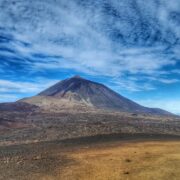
(133, 46)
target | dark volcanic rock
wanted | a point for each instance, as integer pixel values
(96, 95)
(17, 106)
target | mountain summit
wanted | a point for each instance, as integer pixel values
(92, 93)
(76, 91)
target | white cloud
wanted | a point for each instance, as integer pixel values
(8, 97)
(7, 86)
(169, 105)
(129, 84)
(169, 81)
(13, 90)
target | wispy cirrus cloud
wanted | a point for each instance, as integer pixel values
(168, 104)
(13, 90)
(8, 97)
(119, 36)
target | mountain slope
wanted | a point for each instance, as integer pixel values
(18, 106)
(79, 91)
(93, 93)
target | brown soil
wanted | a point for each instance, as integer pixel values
(93, 159)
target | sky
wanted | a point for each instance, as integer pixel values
(132, 46)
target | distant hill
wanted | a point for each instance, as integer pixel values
(80, 92)
(18, 106)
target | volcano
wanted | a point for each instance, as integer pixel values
(80, 92)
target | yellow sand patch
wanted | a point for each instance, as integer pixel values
(141, 161)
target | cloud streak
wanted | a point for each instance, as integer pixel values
(13, 90)
(169, 105)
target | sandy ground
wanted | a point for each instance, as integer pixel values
(143, 160)
(112, 160)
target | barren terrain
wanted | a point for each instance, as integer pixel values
(28, 127)
(96, 158)
(88, 145)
